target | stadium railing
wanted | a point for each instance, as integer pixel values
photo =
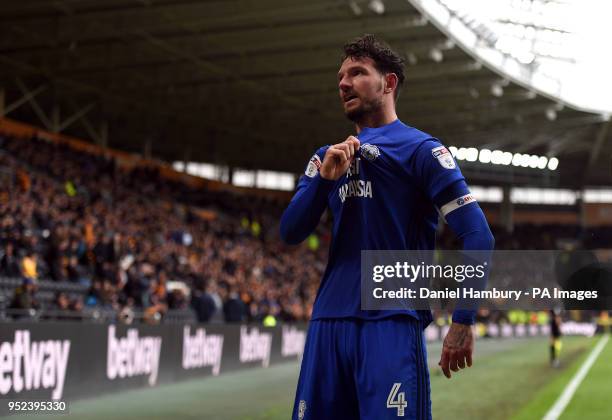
(46, 293)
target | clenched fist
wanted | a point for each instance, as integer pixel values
(338, 158)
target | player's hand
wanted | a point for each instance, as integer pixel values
(457, 349)
(338, 158)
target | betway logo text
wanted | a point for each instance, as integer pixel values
(202, 350)
(293, 341)
(255, 346)
(44, 364)
(132, 355)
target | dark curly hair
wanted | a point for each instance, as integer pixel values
(385, 59)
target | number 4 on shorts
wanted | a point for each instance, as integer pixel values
(397, 399)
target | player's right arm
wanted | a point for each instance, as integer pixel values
(310, 200)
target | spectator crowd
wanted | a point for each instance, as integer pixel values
(133, 239)
(136, 242)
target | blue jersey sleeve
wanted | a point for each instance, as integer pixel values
(308, 204)
(434, 168)
(468, 222)
(471, 227)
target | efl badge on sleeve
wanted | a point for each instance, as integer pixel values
(313, 166)
(444, 157)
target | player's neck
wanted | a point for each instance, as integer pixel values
(376, 120)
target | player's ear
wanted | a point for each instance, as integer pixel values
(391, 81)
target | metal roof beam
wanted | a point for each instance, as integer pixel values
(515, 132)
(285, 37)
(595, 152)
(117, 99)
(324, 53)
(131, 7)
(34, 104)
(24, 99)
(325, 73)
(75, 117)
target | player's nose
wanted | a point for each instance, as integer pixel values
(344, 85)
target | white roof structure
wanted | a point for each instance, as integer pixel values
(557, 47)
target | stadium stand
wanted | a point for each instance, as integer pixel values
(84, 237)
(75, 223)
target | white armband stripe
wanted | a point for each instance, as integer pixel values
(456, 203)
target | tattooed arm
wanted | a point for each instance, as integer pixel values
(470, 225)
(457, 349)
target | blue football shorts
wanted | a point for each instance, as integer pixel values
(355, 369)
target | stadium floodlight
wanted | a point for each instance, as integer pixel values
(461, 153)
(377, 6)
(487, 194)
(412, 58)
(507, 158)
(449, 44)
(526, 57)
(598, 196)
(542, 162)
(525, 161)
(355, 8)
(436, 55)
(497, 90)
(471, 154)
(553, 164)
(485, 156)
(499, 157)
(192, 168)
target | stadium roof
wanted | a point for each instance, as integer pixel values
(554, 46)
(253, 84)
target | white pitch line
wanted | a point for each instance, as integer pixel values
(557, 409)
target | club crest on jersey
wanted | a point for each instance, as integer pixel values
(302, 410)
(313, 166)
(369, 151)
(444, 157)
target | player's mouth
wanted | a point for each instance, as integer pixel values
(349, 99)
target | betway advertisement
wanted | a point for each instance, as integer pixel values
(67, 360)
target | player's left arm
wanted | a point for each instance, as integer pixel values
(442, 180)
(467, 220)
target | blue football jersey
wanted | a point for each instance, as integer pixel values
(384, 202)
